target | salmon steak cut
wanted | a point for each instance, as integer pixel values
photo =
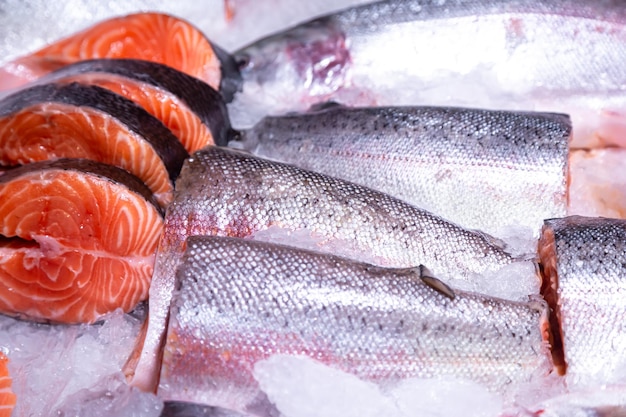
(194, 111)
(52, 121)
(7, 397)
(153, 37)
(78, 240)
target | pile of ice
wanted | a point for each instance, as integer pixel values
(302, 387)
(62, 370)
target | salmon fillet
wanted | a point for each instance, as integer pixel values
(76, 121)
(78, 240)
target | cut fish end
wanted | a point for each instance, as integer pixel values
(171, 111)
(549, 290)
(48, 130)
(76, 246)
(149, 36)
(142, 369)
(8, 399)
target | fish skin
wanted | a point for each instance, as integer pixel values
(201, 99)
(138, 142)
(273, 193)
(468, 53)
(482, 169)
(584, 262)
(240, 301)
(225, 192)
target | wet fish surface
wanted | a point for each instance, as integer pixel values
(240, 301)
(190, 108)
(77, 240)
(150, 36)
(484, 170)
(469, 53)
(229, 193)
(86, 121)
(584, 260)
(7, 397)
(246, 194)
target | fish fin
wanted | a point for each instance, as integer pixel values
(427, 277)
(492, 240)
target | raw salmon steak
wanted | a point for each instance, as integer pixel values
(190, 108)
(153, 37)
(7, 397)
(51, 121)
(77, 240)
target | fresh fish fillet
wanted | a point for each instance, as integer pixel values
(485, 170)
(190, 108)
(230, 193)
(7, 397)
(239, 302)
(584, 261)
(77, 240)
(79, 121)
(468, 53)
(149, 36)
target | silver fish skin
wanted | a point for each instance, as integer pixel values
(226, 192)
(469, 53)
(482, 169)
(584, 261)
(240, 301)
(232, 193)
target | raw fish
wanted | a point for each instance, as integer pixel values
(190, 108)
(484, 170)
(80, 121)
(584, 262)
(149, 36)
(77, 240)
(239, 302)
(7, 397)
(230, 193)
(558, 56)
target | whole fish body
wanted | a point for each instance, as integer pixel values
(484, 170)
(558, 56)
(230, 193)
(239, 302)
(584, 260)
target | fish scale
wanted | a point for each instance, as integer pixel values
(246, 194)
(472, 53)
(585, 263)
(485, 170)
(240, 301)
(229, 193)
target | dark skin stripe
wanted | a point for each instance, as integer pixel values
(207, 104)
(104, 171)
(131, 115)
